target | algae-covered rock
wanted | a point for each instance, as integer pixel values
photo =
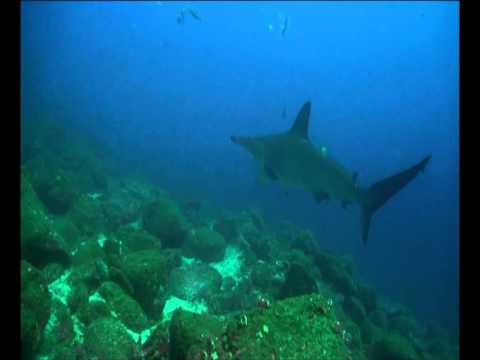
(297, 282)
(115, 215)
(107, 338)
(52, 272)
(58, 192)
(92, 310)
(40, 243)
(259, 243)
(89, 274)
(300, 258)
(194, 282)
(355, 309)
(353, 336)
(163, 219)
(266, 278)
(235, 297)
(205, 244)
(124, 205)
(156, 345)
(439, 344)
(228, 227)
(370, 332)
(140, 189)
(64, 226)
(392, 347)
(305, 242)
(125, 201)
(192, 334)
(87, 215)
(147, 271)
(59, 329)
(301, 327)
(34, 220)
(55, 146)
(35, 304)
(55, 187)
(126, 309)
(137, 239)
(78, 296)
(379, 318)
(403, 324)
(337, 271)
(367, 295)
(440, 349)
(87, 251)
(63, 352)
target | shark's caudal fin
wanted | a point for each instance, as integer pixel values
(380, 192)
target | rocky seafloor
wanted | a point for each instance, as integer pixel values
(115, 268)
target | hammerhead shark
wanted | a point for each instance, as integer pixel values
(293, 160)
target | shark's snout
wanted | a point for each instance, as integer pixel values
(234, 139)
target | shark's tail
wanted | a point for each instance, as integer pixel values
(380, 192)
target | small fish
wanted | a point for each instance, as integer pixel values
(165, 44)
(181, 16)
(94, 196)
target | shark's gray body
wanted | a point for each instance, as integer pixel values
(293, 160)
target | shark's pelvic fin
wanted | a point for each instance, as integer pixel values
(355, 177)
(262, 177)
(345, 204)
(380, 192)
(321, 196)
(270, 173)
(300, 126)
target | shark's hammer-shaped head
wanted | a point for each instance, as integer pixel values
(252, 144)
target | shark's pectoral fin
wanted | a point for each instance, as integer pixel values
(266, 174)
(262, 178)
(366, 217)
(320, 196)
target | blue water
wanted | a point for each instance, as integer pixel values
(383, 82)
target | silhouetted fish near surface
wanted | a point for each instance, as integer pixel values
(194, 14)
(291, 159)
(284, 27)
(181, 16)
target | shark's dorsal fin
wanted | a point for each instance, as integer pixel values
(300, 126)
